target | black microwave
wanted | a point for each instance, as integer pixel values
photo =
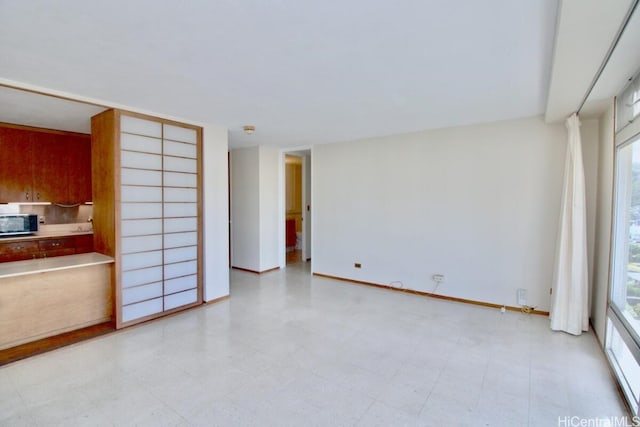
(18, 224)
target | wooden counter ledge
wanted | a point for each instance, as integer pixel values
(43, 265)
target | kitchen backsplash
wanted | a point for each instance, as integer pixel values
(53, 214)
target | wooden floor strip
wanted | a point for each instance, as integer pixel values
(23, 351)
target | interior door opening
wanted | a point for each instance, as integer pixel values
(293, 208)
(297, 206)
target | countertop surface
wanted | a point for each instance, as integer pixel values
(43, 265)
(52, 234)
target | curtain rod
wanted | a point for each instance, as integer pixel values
(605, 61)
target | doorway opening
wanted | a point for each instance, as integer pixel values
(293, 207)
(297, 206)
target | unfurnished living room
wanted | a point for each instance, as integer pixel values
(357, 213)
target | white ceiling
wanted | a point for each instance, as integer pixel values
(301, 72)
(585, 32)
(623, 64)
(32, 109)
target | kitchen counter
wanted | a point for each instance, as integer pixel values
(43, 265)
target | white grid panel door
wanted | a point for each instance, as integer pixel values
(180, 221)
(141, 226)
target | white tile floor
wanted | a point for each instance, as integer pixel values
(289, 349)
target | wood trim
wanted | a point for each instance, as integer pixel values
(161, 314)
(160, 120)
(52, 95)
(44, 345)
(429, 294)
(43, 130)
(162, 228)
(57, 332)
(116, 210)
(256, 272)
(105, 160)
(200, 190)
(217, 300)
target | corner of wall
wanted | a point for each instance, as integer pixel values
(216, 214)
(269, 197)
(603, 222)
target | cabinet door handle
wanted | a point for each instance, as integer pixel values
(38, 196)
(26, 195)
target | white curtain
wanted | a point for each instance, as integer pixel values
(570, 297)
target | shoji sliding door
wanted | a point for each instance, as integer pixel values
(157, 205)
(180, 216)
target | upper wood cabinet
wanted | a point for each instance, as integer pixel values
(78, 166)
(49, 179)
(40, 165)
(16, 172)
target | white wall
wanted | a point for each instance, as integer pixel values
(254, 208)
(216, 213)
(590, 136)
(600, 290)
(245, 209)
(269, 158)
(479, 204)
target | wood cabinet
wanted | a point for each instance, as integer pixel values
(147, 212)
(40, 165)
(83, 243)
(17, 251)
(48, 181)
(45, 247)
(78, 166)
(57, 247)
(16, 169)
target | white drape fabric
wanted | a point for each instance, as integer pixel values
(570, 295)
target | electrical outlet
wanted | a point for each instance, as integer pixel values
(522, 296)
(357, 265)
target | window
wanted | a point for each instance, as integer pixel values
(623, 329)
(628, 104)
